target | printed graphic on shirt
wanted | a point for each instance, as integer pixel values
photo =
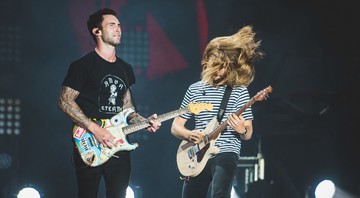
(112, 90)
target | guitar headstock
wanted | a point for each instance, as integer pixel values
(263, 94)
(196, 108)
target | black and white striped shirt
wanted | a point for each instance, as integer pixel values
(200, 92)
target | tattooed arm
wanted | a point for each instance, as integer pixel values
(134, 118)
(127, 100)
(68, 105)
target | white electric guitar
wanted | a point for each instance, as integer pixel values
(191, 158)
(95, 154)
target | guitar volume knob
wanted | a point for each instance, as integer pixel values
(115, 121)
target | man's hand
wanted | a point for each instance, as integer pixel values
(196, 136)
(237, 123)
(102, 135)
(154, 123)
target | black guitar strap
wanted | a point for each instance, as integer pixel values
(224, 102)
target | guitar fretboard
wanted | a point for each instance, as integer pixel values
(144, 124)
(215, 133)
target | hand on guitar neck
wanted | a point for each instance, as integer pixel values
(240, 125)
(154, 123)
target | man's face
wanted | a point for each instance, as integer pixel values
(220, 76)
(111, 31)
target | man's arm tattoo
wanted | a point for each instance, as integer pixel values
(127, 100)
(135, 117)
(68, 105)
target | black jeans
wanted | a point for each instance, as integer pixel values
(116, 173)
(219, 172)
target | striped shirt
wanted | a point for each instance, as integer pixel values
(200, 92)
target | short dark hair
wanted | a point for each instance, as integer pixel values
(95, 19)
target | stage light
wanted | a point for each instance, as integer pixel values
(130, 193)
(234, 193)
(325, 189)
(328, 189)
(10, 111)
(28, 192)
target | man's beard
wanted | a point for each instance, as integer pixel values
(112, 41)
(115, 43)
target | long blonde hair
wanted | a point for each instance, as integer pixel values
(236, 53)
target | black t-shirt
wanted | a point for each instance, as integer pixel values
(102, 85)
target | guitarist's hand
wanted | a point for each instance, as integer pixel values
(102, 135)
(154, 123)
(196, 136)
(237, 123)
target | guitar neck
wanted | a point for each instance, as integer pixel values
(215, 133)
(144, 124)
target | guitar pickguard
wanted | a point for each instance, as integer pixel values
(95, 154)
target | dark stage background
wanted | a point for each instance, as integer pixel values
(308, 126)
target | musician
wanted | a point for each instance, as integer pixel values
(227, 61)
(97, 86)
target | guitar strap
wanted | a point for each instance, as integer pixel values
(224, 102)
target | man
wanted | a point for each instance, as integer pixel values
(97, 87)
(227, 62)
